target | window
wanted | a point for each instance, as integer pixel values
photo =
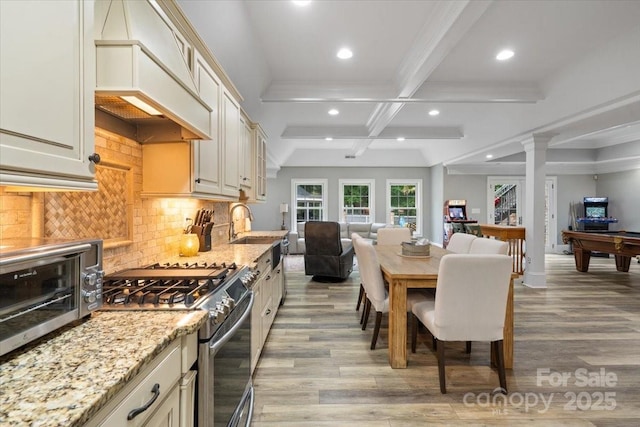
(404, 203)
(356, 200)
(309, 200)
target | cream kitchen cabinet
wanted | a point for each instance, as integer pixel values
(230, 140)
(157, 388)
(256, 323)
(246, 155)
(47, 76)
(260, 164)
(265, 308)
(189, 168)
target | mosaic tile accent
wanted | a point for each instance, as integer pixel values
(102, 214)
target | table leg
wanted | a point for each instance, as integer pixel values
(623, 263)
(582, 257)
(398, 324)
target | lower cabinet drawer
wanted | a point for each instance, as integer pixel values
(168, 414)
(151, 393)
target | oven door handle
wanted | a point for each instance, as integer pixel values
(70, 250)
(231, 332)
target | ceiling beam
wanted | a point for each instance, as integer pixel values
(360, 132)
(444, 28)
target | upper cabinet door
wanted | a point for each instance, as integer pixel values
(47, 76)
(231, 145)
(246, 155)
(260, 141)
(207, 153)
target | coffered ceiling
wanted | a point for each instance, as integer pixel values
(574, 75)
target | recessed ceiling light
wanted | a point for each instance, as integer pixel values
(301, 2)
(328, 138)
(345, 53)
(400, 138)
(489, 156)
(434, 112)
(333, 112)
(505, 54)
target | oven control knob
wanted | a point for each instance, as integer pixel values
(90, 279)
(225, 309)
(89, 296)
(216, 317)
(229, 303)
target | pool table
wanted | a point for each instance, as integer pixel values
(622, 244)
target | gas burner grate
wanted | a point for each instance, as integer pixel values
(168, 286)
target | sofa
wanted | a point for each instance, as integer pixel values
(368, 230)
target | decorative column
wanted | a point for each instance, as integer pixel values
(536, 152)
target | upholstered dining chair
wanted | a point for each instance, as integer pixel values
(375, 291)
(483, 245)
(460, 243)
(470, 305)
(354, 237)
(393, 236)
(326, 258)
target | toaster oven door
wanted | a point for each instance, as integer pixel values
(37, 298)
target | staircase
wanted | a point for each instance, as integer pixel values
(505, 204)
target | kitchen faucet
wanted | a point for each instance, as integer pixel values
(232, 233)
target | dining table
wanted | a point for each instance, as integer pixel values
(403, 272)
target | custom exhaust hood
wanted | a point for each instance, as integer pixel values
(139, 64)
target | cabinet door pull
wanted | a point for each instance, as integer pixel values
(95, 158)
(135, 412)
(269, 277)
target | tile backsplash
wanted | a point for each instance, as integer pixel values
(137, 231)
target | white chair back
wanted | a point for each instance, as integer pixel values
(489, 246)
(371, 274)
(471, 297)
(460, 243)
(393, 236)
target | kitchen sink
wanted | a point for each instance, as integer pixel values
(275, 242)
(255, 240)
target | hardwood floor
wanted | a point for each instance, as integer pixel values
(316, 368)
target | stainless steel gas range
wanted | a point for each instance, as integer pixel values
(225, 391)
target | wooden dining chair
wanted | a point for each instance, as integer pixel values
(393, 236)
(375, 291)
(460, 243)
(470, 305)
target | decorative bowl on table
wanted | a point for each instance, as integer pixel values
(415, 249)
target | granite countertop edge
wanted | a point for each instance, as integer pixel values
(65, 378)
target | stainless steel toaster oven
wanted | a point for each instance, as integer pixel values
(44, 285)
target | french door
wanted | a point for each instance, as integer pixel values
(506, 205)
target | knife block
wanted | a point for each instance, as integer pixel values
(205, 242)
(204, 235)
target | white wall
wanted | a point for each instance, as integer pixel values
(623, 191)
(620, 187)
(268, 217)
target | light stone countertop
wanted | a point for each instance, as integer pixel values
(64, 379)
(242, 254)
(67, 376)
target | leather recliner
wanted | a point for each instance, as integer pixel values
(326, 258)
